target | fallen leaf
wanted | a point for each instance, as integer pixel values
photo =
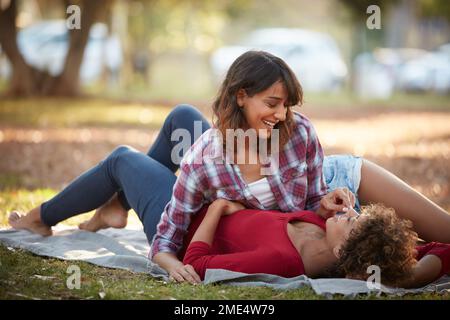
(37, 276)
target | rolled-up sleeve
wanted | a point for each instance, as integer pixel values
(187, 198)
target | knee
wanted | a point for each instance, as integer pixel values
(120, 152)
(184, 112)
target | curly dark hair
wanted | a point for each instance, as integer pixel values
(382, 239)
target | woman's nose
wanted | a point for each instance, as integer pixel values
(280, 112)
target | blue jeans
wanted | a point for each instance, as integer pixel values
(143, 182)
(343, 170)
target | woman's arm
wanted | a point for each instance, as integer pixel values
(187, 199)
(434, 262)
(424, 272)
(205, 232)
(198, 252)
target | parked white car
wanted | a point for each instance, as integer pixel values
(430, 72)
(44, 45)
(379, 73)
(313, 56)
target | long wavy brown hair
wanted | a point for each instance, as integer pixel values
(383, 239)
(255, 71)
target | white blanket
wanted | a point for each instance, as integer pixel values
(128, 249)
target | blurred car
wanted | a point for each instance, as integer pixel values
(429, 72)
(44, 45)
(314, 57)
(376, 73)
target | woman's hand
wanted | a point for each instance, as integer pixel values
(338, 200)
(184, 272)
(227, 207)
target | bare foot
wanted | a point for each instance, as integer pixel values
(31, 222)
(110, 215)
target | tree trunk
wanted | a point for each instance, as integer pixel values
(22, 79)
(67, 83)
(28, 81)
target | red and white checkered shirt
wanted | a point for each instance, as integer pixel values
(297, 184)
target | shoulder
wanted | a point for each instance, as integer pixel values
(303, 132)
(302, 124)
(203, 147)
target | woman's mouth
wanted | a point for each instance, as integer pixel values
(269, 124)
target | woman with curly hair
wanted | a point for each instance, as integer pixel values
(227, 236)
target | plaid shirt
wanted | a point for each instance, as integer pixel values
(297, 184)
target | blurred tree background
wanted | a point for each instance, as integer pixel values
(167, 44)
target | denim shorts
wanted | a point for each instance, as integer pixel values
(343, 171)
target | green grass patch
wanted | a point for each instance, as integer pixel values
(24, 275)
(398, 101)
(55, 112)
(22, 200)
(10, 180)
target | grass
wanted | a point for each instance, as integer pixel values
(26, 276)
(80, 112)
(398, 101)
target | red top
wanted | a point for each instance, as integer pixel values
(249, 241)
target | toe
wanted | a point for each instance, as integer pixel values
(13, 216)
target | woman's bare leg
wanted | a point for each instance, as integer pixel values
(431, 222)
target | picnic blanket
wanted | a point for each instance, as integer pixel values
(128, 249)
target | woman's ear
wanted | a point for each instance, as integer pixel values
(337, 251)
(241, 97)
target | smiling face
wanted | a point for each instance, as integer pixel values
(339, 227)
(264, 110)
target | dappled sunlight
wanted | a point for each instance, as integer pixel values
(78, 112)
(414, 134)
(140, 137)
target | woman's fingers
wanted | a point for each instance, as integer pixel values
(192, 272)
(185, 273)
(344, 195)
(175, 276)
(330, 205)
(352, 199)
